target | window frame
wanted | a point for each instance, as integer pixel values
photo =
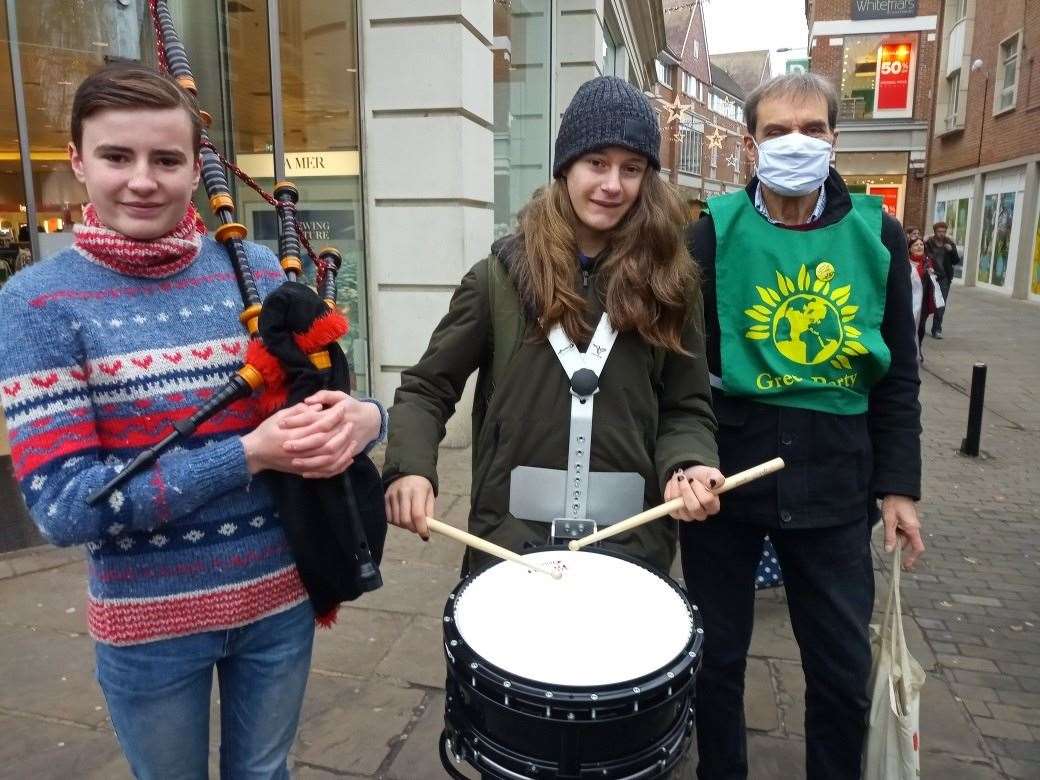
(689, 80)
(663, 72)
(958, 7)
(952, 120)
(1000, 88)
(691, 149)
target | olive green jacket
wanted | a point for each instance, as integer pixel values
(647, 419)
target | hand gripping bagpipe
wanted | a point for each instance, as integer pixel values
(335, 526)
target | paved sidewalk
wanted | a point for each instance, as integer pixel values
(375, 702)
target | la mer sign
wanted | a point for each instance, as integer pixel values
(883, 9)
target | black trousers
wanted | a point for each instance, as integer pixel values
(937, 318)
(830, 594)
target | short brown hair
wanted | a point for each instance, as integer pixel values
(131, 85)
(942, 225)
(793, 85)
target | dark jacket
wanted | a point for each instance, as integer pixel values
(836, 464)
(642, 423)
(944, 255)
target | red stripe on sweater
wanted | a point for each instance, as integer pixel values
(31, 453)
(140, 434)
(145, 430)
(144, 620)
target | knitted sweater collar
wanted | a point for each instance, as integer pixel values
(155, 258)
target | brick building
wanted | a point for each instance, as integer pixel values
(984, 155)
(881, 56)
(696, 99)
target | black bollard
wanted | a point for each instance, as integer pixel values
(970, 445)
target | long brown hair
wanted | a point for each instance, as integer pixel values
(649, 277)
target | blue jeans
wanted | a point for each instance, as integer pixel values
(158, 696)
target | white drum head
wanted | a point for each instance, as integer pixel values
(606, 621)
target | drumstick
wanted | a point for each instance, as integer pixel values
(485, 546)
(675, 504)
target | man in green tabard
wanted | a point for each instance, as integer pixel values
(811, 348)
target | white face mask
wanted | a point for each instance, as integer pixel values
(794, 164)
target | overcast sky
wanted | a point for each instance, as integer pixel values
(744, 25)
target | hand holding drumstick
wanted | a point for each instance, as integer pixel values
(697, 486)
(678, 504)
(409, 505)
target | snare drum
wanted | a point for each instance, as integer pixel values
(587, 676)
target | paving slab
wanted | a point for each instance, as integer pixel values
(418, 654)
(33, 748)
(418, 758)
(791, 694)
(55, 598)
(412, 587)
(775, 757)
(358, 641)
(772, 637)
(937, 765)
(760, 707)
(945, 722)
(49, 674)
(351, 726)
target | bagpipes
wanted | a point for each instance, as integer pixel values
(335, 526)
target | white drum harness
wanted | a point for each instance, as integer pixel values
(588, 498)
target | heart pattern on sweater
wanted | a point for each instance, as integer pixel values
(45, 381)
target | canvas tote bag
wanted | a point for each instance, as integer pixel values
(892, 750)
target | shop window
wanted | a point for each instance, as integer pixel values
(877, 77)
(59, 48)
(15, 250)
(955, 214)
(998, 217)
(320, 105)
(522, 135)
(1006, 92)
(1034, 281)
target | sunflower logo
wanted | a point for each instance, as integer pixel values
(808, 321)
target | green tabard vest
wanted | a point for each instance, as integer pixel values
(800, 311)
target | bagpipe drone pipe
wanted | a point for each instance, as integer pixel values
(335, 526)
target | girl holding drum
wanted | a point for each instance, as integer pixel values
(586, 325)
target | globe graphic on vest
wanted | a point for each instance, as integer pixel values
(807, 329)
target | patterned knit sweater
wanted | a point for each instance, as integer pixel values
(94, 367)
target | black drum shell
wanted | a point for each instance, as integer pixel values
(568, 727)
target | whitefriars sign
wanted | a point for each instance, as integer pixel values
(883, 9)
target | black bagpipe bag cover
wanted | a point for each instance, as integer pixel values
(315, 512)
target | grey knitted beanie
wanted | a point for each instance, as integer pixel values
(607, 111)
